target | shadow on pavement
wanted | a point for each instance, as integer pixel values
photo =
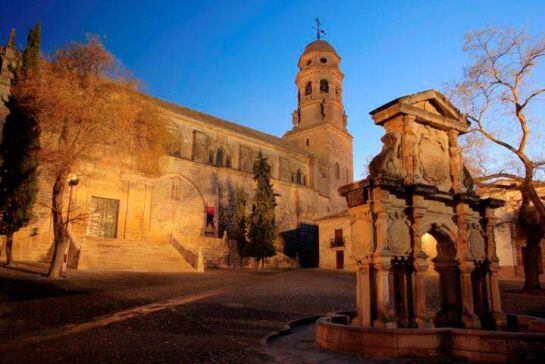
(16, 290)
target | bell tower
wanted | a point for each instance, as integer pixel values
(320, 123)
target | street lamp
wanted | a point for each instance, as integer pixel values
(72, 182)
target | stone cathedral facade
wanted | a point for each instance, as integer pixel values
(131, 222)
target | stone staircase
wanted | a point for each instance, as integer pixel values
(129, 255)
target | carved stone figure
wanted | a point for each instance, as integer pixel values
(388, 161)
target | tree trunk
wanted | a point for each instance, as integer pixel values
(58, 228)
(9, 249)
(532, 260)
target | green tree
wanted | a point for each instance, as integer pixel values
(262, 227)
(19, 152)
(238, 224)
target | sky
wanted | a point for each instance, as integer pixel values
(238, 59)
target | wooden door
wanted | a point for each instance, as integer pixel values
(340, 259)
(103, 218)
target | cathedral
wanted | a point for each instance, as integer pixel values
(174, 222)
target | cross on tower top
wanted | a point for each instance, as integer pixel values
(319, 30)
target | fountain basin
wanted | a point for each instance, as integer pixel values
(335, 333)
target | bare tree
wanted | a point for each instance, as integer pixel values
(85, 102)
(500, 95)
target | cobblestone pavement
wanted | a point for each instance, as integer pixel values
(225, 327)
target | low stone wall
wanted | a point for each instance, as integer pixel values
(336, 334)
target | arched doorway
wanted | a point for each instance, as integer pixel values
(444, 262)
(177, 207)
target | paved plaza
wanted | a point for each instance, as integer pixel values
(220, 316)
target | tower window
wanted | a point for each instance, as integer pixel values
(308, 88)
(324, 86)
(323, 60)
(228, 162)
(211, 157)
(299, 177)
(309, 62)
(308, 142)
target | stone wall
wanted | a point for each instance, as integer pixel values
(327, 247)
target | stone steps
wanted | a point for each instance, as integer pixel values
(128, 255)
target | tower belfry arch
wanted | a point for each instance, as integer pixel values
(418, 185)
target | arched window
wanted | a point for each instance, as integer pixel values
(308, 88)
(308, 142)
(299, 177)
(219, 157)
(324, 86)
(337, 171)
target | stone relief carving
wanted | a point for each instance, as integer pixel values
(389, 161)
(433, 159)
(476, 241)
(398, 237)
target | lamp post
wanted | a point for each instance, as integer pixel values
(72, 182)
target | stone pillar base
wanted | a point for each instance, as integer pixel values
(385, 324)
(424, 322)
(500, 319)
(471, 321)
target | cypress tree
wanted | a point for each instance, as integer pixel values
(31, 54)
(19, 152)
(262, 227)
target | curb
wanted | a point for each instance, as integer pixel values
(286, 330)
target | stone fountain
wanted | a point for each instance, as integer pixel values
(418, 185)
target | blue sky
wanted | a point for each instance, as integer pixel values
(238, 59)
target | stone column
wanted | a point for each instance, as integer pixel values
(363, 291)
(410, 156)
(456, 166)
(384, 293)
(469, 319)
(419, 286)
(492, 283)
(421, 264)
(494, 294)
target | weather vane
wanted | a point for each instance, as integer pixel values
(319, 31)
